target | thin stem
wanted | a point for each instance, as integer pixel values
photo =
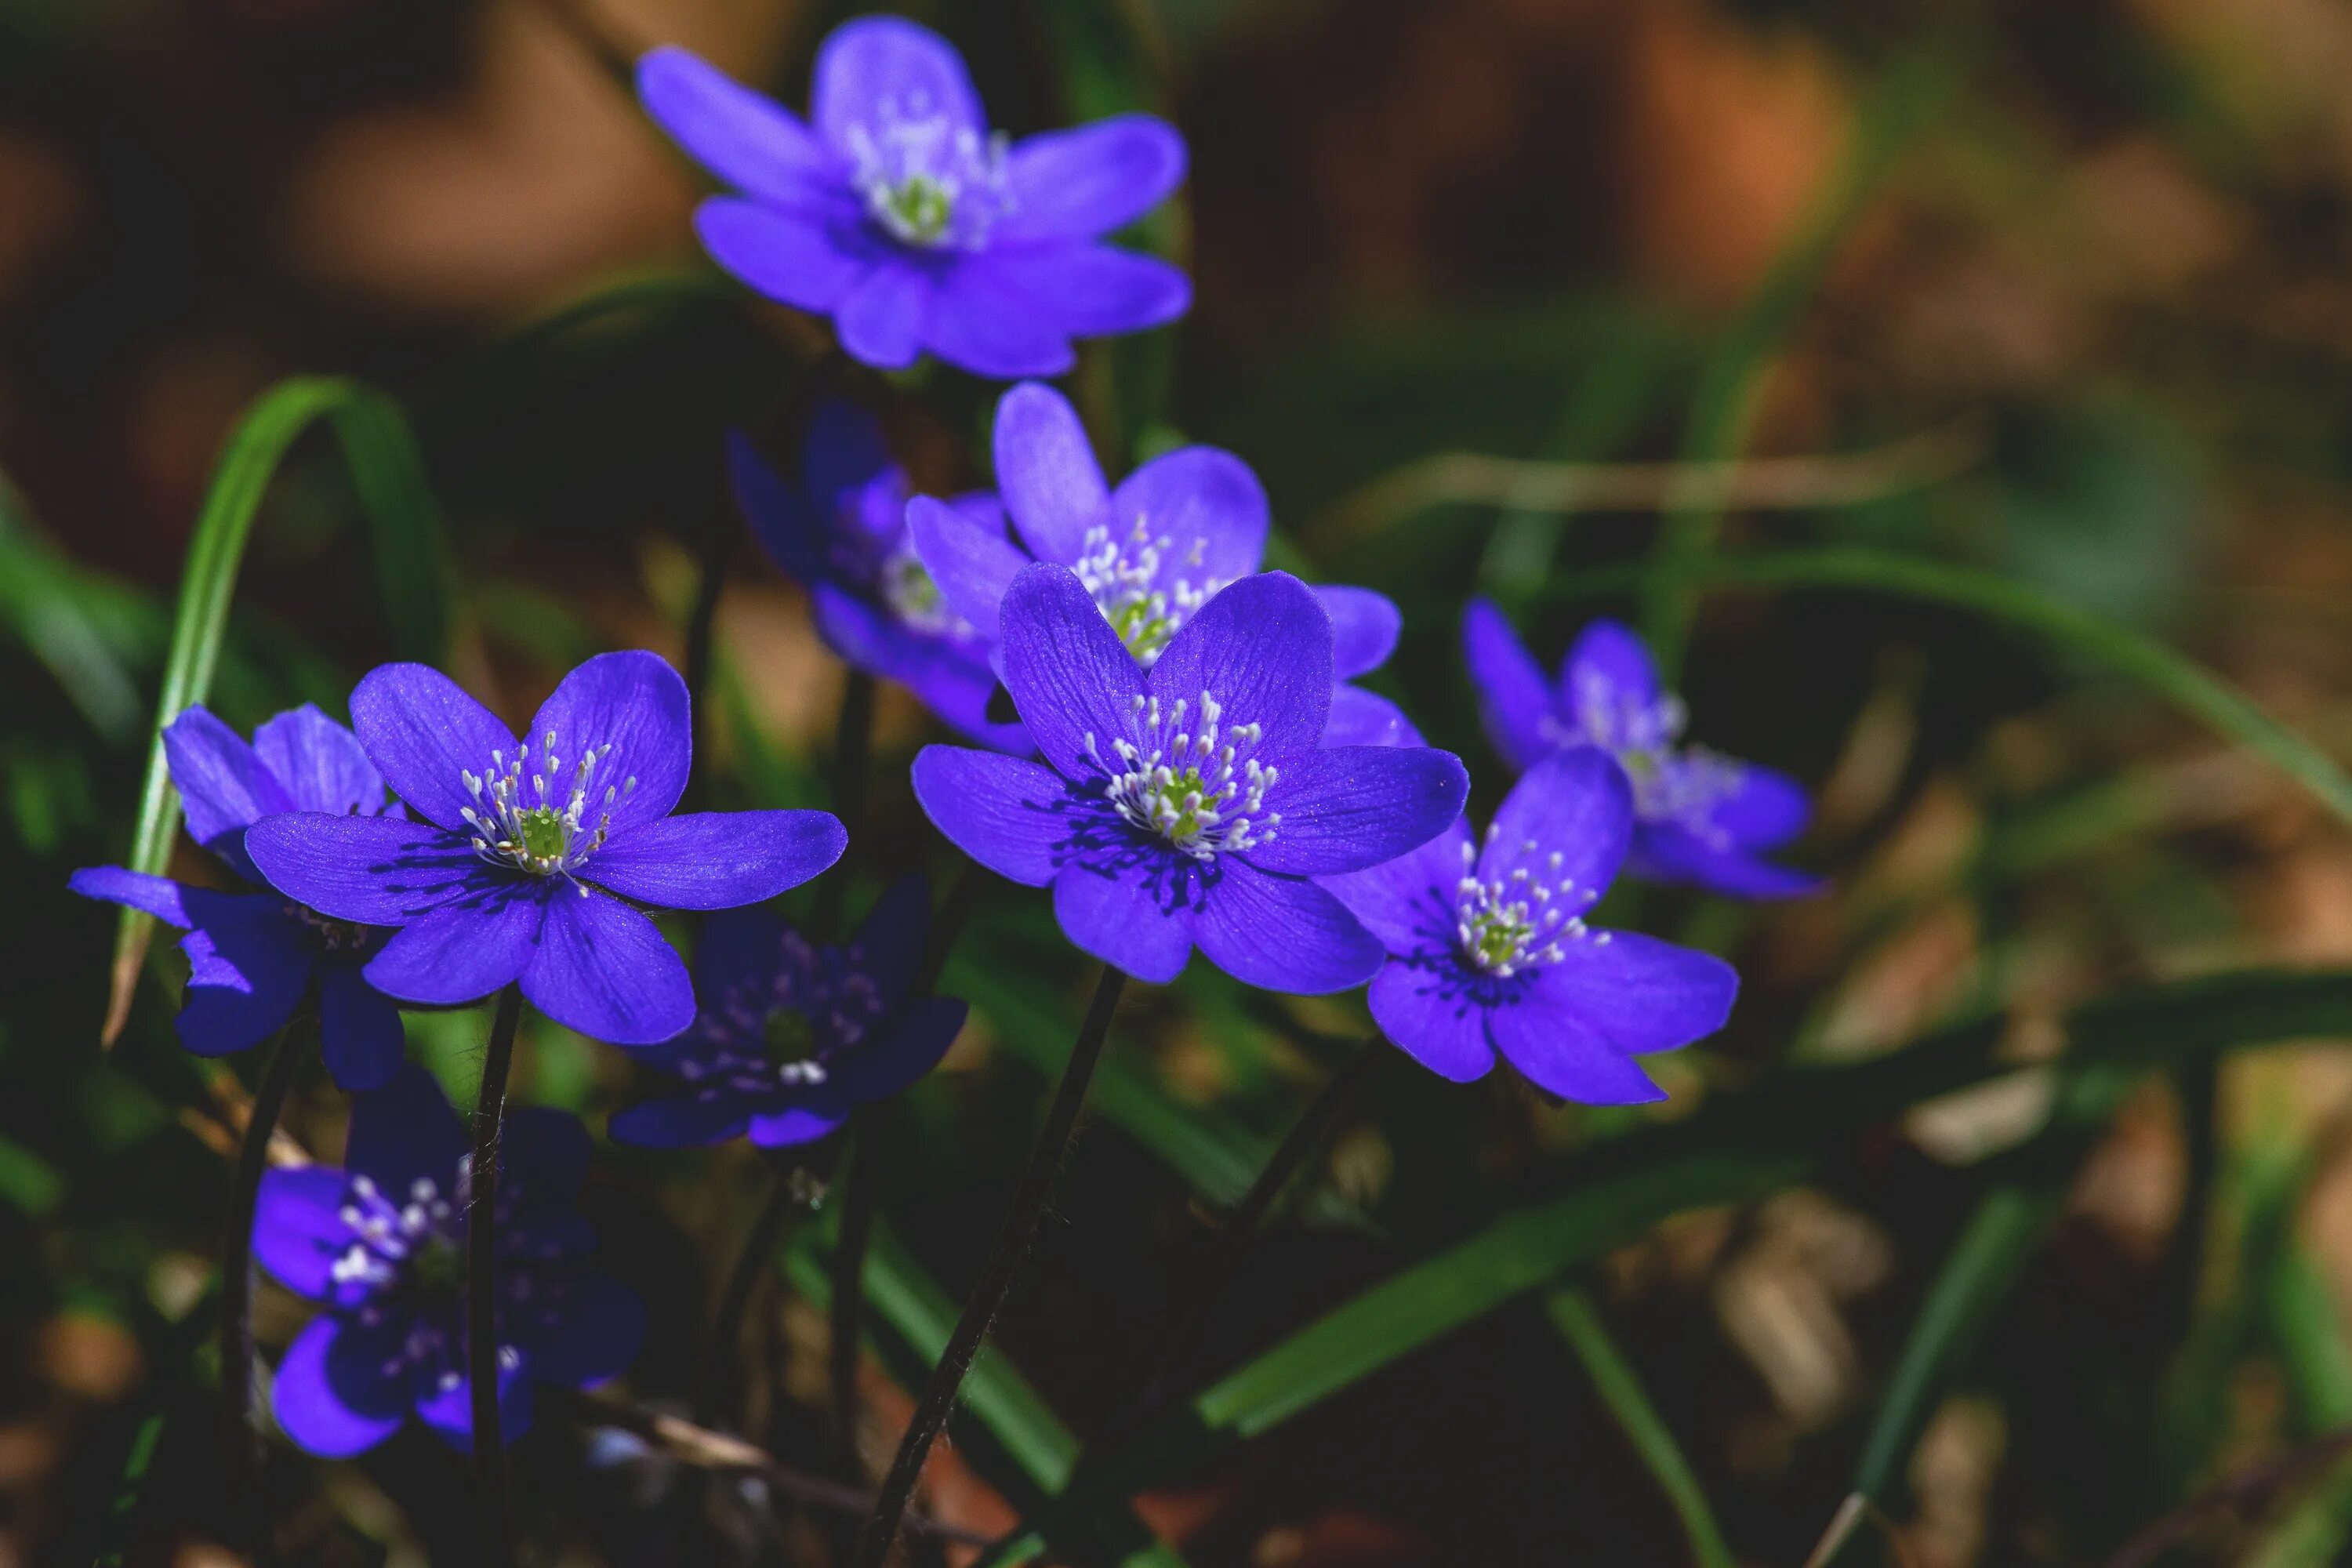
(236, 1272)
(853, 745)
(860, 1184)
(1306, 1142)
(727, 1327)
(1012, 1241)
(719, 548)
(482, 1280)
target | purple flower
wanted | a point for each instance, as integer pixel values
(1700, 817)
(1189, 803)
(1489, 948)
(901, 215)
(381, 1246)
(792, 1036)
(1150, 552)
(842, 534)
(532, 852)
(254, 956)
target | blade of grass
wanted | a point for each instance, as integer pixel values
(389, 478)
(41, 596)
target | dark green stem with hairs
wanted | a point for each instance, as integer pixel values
(237, 1271)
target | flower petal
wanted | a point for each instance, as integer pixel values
(546, 1151)
(1071, 677)
(1361, 718)
(1759, 808)
(1083, 291)
(718, 859)
(320, 763)
(1263, 649)
(249, 967)
(982, 325)
(1560, 1053)
(1514, 699)
(1574, 805)
(602, 969)
(1408, 902)
(588, 1335)
(423, 734)
(1609, 684)
(1640, 994)
(467, 948)
(806, 262)
(1127, 915)
(359, 1030)
(874, 71)
(224, 785)
(1012, 816)
(788, 525)
(377, 871)
(332, 1395)
(1046, 472)
(880, 320)
(972, 567)
(405, 1133)
(1282, 934)
(449, 1410)
(819, 1116)
(910, 1046)
(1675, 856)
(1356, 806)
(888, 942)
(637, 704)
(1206, 503)
(748, 139)
(1364, 628)
(682, 1122)
(1090, 179)
(297, 1229)
(737, 947)
(1435, 1022)
(158, 895)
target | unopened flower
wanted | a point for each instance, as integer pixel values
(896, 211)
(1489, 949)
(254, 956)
(381, 1244)
(1190, 802)
(532, 852)
(1700, 817)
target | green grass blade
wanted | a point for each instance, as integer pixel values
(42, 596)
(1571, 1311)
(397, 502)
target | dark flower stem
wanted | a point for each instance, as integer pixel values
(1012, 1240)
(1305, 1145)
(481, 1281)
(853, 746)
(719, 548)
(859, 1187)
(735, 1299)
(237, 1271)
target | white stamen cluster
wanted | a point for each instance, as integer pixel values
(385, 1233)
(926, 180)
(913, 595)
(1191, 788)
(1669, 784)
(1507, 925)
(519, 820)
(825, 992)
(1123, 576)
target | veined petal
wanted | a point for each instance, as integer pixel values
(1263, 649)
(637, 704)
(377, 871)
(1087, 290)
(978, 324)
(224, 785)
(467, 948)
(1514, 699)
(1046, 472)
(1282, 934)
(1206, 503)
(322, 765)
(1074, 681)
(405, 1133)
(332, 1395)
(1361, 718)
(1356, 806)
(748, 139)
(1127, 914)
(880, 320)
(972, 567)
(1408, 902)
(248, 967)
(875, 71)
(1364, 628)
(1090, 179)
(360, 1035)
(718, 859)
(1559, 1052)
(1013, 817)
(1437, 1023)
(157, 896)
(602, 969)
(805, 260)
(423, 734)
(1575, 805)
(1640, 994)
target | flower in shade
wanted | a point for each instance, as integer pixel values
(381, 1244)
(897, 212)
(841, 533)
(1700, 817)
(1489, 950)
(1151, 553)
(532, 852)
(1188, 804)
(253, 956)
(793, 1035)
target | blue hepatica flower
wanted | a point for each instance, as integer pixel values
(1151, 553)
(254, 956)
(792, 1034)
(1700, 817)
(1189, 803)
(381, 1244)
(529, 849)
(901, 215)
(842, 534)
(1489, 950)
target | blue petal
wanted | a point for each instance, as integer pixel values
(1072, 678)
(224, 786)
(405, 1133)
(376, 870)
(546, 1153)
(249, 967)
(750, 142)
(1206, 504)
(808, 263)
(1674, 856)
(1409, 902)
(1346, 809)
(1428, 1013)
(737, 947)
(331, 1396)
(592, 1331)
(842, 456)
(983, 323)
(1361, 718)
(450, 1411)
(1760, 809)
(1640, 994)
(321, 765)
(972, 567)
(158, 895)
(1283, 934)
(637, 704)
(1514, 700)
(888, 942)
(819, 1116)
(465, 950)
(1089, 180)
(960, 691)
(874, 71)
(602, 969)
(791, 527)
(682, 1122)
(423, 733)
(299, 1230)
(1046, 472)
(1558, 1051)
(1569, 821)
(718, 859)
(1364, 628)
(880, 320)
(359, 1030)
(1610, 685)
(1013, 817)
(910, 1046)
(1131, 914)
(1083, 290)
(1263, 649)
